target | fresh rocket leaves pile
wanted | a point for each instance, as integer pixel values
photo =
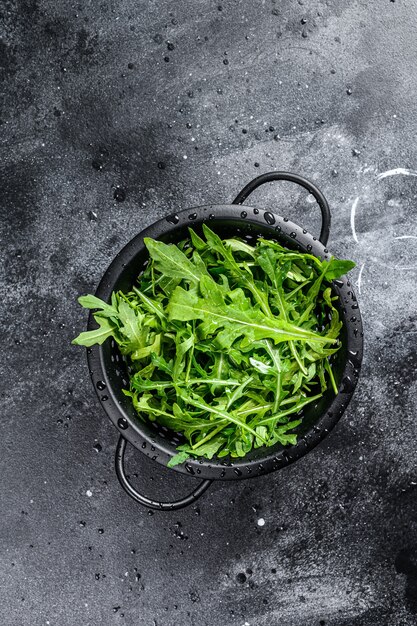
(226, 342)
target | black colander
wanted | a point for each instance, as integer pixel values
(109, 371)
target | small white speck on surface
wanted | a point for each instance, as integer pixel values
(88, 493)
(185, 156)
(261, 521)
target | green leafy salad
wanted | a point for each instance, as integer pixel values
(226, 342)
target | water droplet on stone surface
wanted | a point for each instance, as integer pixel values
(97, 447)
(119, 194)
(92, 216)
(173, 219)
(269, 218)
(241, 578)
(97, 165)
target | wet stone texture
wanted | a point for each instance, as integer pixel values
(115, 114)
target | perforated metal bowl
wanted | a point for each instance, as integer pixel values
(109, 371)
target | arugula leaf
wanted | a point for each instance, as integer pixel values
(171, 261)
(97, 336)
(177, 459)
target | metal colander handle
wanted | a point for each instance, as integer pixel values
(299, 180)
(152, 504)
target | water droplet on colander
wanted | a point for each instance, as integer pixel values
(189, 468)
(193, 216)
(122, 423)
(211, 216)
(104, 398)
(285, 219)
(152, 448)
(144, 445)
(89, 351)
(237, 472)
(293, 235)
(354, 358)
(256, 211)
(347, 385)
(309, 247)
(269, 218)
(353, 318)
(101, 385)
(278, 229)
(304, 231)
(355, 306)
(243, 214)
(173, 219)
(222, 473)
(339, 283)
(154, 457)
(325, 251)
(198, 470)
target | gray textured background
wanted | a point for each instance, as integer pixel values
(94, 97)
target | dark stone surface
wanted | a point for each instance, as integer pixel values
(117, 113)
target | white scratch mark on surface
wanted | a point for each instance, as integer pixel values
(88, 493)
(396, 172)
(406, 237)
(352, 218)
(360, 278)
(261, 521)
